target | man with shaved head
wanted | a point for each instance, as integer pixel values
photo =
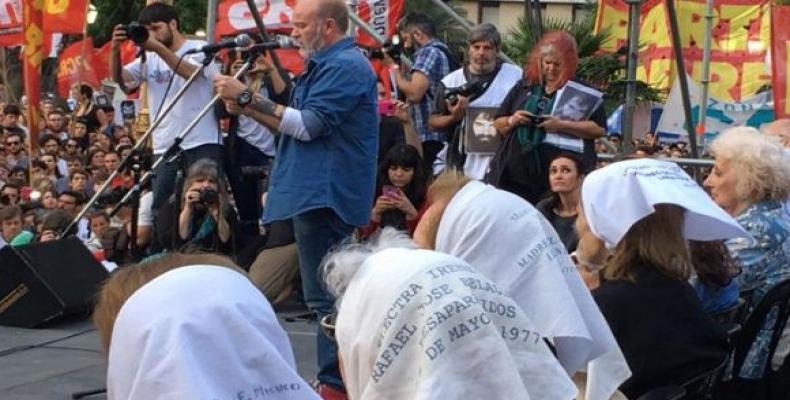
(324, 170)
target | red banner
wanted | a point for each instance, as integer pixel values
(81, 63)
(64, 16)
(31, 67)
(780, 63)
(382, 16)
(234, 16)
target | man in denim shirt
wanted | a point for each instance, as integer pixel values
(324, 170)
(431, 64)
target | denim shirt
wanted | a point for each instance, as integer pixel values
(765, 262)
(335, 168)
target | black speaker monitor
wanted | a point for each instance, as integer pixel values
(44, 281)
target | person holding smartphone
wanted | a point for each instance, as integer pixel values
(401, 191)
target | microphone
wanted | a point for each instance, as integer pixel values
(242, 40)
(279, 42)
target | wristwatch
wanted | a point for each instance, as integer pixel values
(244, 98)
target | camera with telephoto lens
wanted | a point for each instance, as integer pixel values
(468, 89)
(137, 32)
(209, 196)
(391, 48)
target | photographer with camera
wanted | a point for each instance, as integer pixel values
(205, 219)
(432, 61)
(482, 84)
(165, 50)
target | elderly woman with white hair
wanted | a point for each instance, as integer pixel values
(417, 325)
(750, 180)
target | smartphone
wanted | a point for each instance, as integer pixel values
(390, 191)
(386, 107)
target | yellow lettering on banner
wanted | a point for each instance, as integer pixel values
(612, 17)
(654, 27)
(56, 6)
(691, 23)
(738, 16)
(755, 76)
(34, 41)
(660, 73)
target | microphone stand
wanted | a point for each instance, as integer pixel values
(140, 143)
(174, 151)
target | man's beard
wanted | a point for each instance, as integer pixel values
(168, 39)
(306, 50)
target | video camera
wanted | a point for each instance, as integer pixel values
(468, 89)
(137, 32)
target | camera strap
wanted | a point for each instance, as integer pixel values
(486, 82)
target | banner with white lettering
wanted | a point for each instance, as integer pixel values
(753, 111)
(234, 16)
(382, 16)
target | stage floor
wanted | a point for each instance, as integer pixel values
(53, 363)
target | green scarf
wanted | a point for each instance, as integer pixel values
(531, 133)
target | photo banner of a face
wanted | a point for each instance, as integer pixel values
(480, 135)
(576, 102)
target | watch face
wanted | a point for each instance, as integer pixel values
(244, 98)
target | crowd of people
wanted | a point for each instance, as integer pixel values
(440, 260)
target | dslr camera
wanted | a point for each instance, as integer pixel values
(209, 196)
(468, 89)
(391, 48)
(137, 32)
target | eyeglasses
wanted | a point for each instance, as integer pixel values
(328, 325)
(12, 143)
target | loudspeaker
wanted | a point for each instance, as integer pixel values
(45, 281)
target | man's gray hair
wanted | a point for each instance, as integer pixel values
(339, 267)
(485, 33)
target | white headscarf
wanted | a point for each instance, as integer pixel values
(619, 195)
(420, 325)
(201, 332)
(512, 244)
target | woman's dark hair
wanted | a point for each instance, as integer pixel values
(87, 91)
(580, 169)
(713, 263)
(405, 155)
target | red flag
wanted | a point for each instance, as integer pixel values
(33, 56)
(382, 16)
(76, 64)
(65, 16)
(780, 63)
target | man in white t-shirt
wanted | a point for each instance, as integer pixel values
(165, 45)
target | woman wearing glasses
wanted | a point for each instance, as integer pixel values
(533, 136)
